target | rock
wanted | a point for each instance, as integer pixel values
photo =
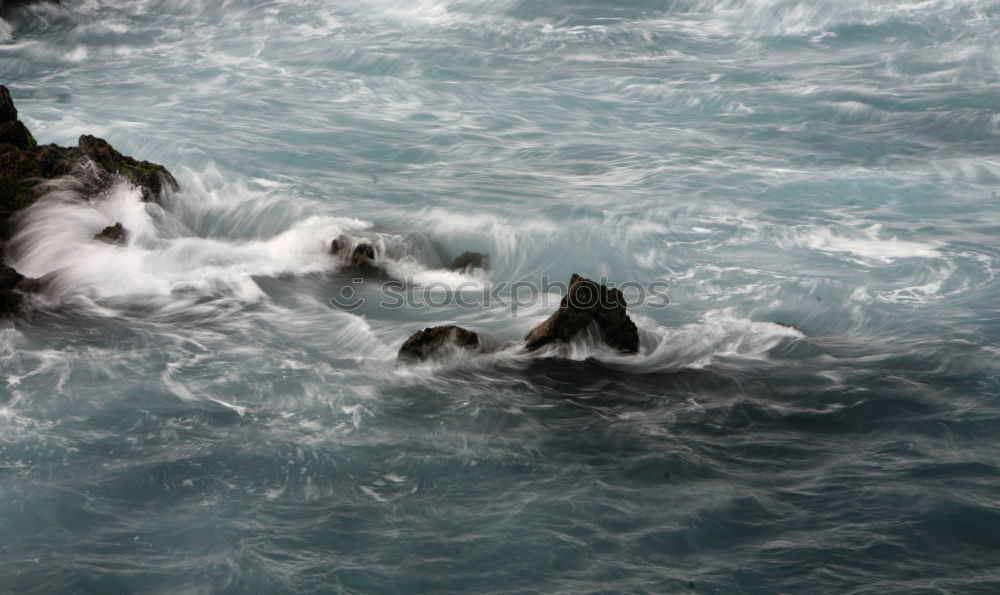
(10, 302)
(587, 304)
(16, 134)
(360, 258)
(363, 255)
(470, 260)
(113, 234)
(8, 113)
(24, 164)
(436, 340)
(9, 278)
(341, 244)
(36, 285)
(150, 178)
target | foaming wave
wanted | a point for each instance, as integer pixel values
(719, 334)
(56, 237)
(867, 248)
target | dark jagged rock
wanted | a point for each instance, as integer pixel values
(363, 255)
(470, 260)
(151, 178)
(435, 340)
(8, 113)
(36, 285)
(113, 234)
(25, 166)
(359, 258)
(10, 300)
(9, 278)
(16, 134)
(588, 303)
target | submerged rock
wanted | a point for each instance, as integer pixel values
(113, 234)
(341, 244)
(588, 304)
(470, 260)
(362, 256)
(436, 340)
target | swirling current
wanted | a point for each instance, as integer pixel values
(815, 406)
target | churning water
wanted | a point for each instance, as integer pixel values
(817, 408)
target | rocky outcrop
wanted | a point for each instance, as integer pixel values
(437, 340)
(470, 260)
(151, 178)
(10, 300)
(363, 256)
(113, 234)
(360, 258)
(588, 304)
(26, 166)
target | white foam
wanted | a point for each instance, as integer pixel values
(720, 333)
(864, 248)
(56, 236)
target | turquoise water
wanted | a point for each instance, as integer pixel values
(817, 408)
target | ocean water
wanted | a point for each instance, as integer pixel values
(814, 408)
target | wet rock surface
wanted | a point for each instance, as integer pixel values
(360, 258)
(113, 234)
(24, 164)
(27, 170)
(588, 304)
(470, 260)
(437, 340)
(10, 300)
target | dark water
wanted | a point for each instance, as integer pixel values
(816, 410)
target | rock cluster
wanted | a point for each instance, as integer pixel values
(587, 305)
(27, 170)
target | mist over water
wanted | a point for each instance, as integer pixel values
(817, 408)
